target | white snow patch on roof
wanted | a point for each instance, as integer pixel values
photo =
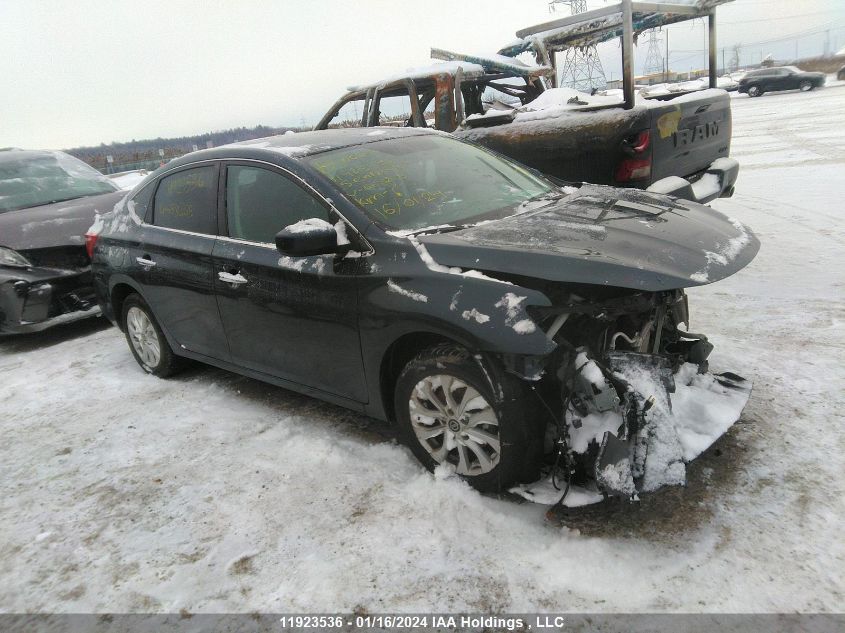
(422, 72)
(286, 150)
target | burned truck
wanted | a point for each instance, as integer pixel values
(676, 144)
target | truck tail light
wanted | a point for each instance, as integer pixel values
(90, 243)
(638, 164)
(633, 169)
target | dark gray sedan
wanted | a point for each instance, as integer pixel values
(47, 202)
(756, 82)
(421, 279)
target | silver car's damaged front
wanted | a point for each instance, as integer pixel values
(637, 401)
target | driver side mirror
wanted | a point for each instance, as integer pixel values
(307, 237)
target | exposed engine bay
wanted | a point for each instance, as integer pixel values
(634, 400)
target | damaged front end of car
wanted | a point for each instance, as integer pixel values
(632, 397)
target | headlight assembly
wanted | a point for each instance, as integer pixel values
(8, 257)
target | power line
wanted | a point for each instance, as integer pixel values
(782, 17)
(791, 36)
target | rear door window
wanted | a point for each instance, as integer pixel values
(187, 201)
(260, 203)
(141, 203)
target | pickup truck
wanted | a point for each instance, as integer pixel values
(677, 143)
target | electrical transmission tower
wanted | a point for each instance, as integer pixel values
(653, 59)
(581, 66)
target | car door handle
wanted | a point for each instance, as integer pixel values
(147, 263)
(229, 278)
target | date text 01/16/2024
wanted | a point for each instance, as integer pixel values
(411, 622)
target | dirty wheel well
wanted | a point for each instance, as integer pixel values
(399, 354)
(118, 296)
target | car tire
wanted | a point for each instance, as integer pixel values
(754, 91)
(146, 340)
(502, 446)
(805, 86)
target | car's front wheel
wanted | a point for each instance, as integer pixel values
(805, 85)
(754, 91)
(448, 413)
(146, 340)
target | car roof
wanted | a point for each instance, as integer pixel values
(302, 144)
(13, 154)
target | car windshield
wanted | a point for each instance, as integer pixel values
(424, 181)
(44, 178)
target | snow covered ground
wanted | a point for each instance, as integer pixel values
(210, 492)
(128, 179)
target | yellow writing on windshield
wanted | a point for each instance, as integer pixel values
(177, 210)
(379, 185)
(179, 185)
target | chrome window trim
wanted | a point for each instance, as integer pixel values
(183, 232)
(236, 240)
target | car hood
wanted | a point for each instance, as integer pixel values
(603, 235)
(58, 224)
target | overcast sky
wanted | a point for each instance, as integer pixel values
(84, 72)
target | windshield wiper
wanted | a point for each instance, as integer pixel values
(555, 194)
(41, 204)
(440, 229)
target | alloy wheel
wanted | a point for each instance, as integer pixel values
(455, 424)
(143, 336)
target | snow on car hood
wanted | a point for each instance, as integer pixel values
(59, 224)
(607, 236)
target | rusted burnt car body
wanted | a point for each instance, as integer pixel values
(675, 144)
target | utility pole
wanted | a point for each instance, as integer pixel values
(666, 78)
(582, 68)
(653, 63)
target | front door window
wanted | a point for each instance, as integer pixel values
(260, 203)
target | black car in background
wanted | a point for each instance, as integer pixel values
(416, 278)
(756, 82)
(47, 202)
